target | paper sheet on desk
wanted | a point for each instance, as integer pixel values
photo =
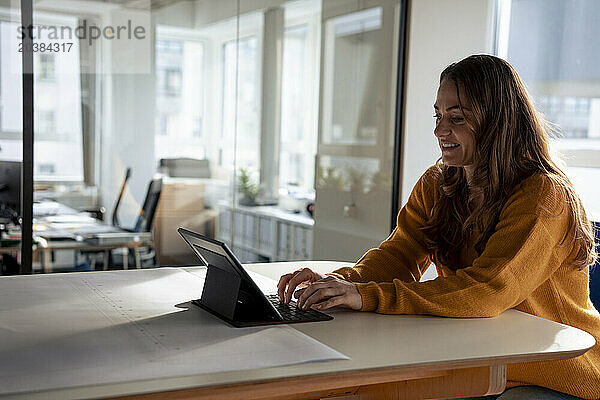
(125, 326)
(71, 219)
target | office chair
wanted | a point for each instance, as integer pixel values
(148, 210)
(595, 271)
(144, 222)
(145, 217)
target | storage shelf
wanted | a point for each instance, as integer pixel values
(263, 234)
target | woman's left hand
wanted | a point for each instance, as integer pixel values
(329, 292)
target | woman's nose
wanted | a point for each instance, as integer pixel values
(441, 129)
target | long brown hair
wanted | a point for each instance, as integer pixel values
(511, 143)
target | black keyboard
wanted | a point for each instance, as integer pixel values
(290, 312)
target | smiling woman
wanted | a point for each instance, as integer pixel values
(499, 219)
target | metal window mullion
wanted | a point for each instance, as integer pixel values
(400, 94)
(27, 165)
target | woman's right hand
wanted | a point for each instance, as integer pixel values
(289, 282)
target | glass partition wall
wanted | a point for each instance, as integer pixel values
(356, 137)
(11, 137)
(269, 127)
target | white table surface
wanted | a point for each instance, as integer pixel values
(375, 342)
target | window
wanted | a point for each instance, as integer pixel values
(10, 81)
(57, 88)
(179, 94)
(172, 82)
(161, 123)
(551, 44)
(247, 109)
(291, 169)
(197, 127)
(298, 108)
(45, 123)
(45, 66)
(169, 64)
(46, 169)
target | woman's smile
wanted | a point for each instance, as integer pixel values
(449, 146)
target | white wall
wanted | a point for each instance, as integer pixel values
(177, 14)
(211, 11)
(440, 32)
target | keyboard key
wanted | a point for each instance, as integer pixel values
(291, 312)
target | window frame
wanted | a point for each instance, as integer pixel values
(41, 17)
(222, 142)
(216, 36)
(312, 22)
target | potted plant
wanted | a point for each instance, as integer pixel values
(247, 188)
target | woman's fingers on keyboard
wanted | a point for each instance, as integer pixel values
(314, 293)
(288, 284)
(320, 295)
(283, 281)
(340, 292)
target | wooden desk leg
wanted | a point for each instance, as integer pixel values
(42, 256)
(138, 260)
(46, 261)
(460, 383)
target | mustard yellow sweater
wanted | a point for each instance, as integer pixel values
(522, 266)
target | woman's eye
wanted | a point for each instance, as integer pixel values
(437, 117)
(457, 120)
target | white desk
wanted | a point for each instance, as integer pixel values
(60, 228)
(399, 357)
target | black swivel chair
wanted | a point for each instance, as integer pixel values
(148, 210)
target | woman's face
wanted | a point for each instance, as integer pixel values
(455, 138)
